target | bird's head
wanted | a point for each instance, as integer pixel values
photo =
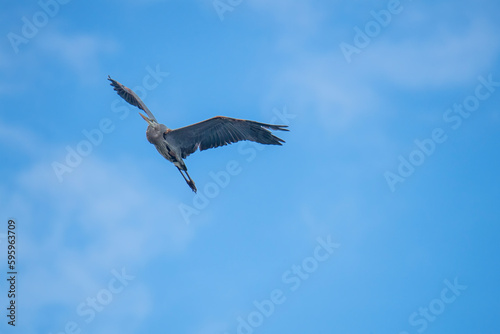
(155, 131)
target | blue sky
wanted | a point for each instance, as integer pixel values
(380, 214)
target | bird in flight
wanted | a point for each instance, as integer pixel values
(176, 144)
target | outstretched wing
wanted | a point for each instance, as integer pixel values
(220, 131)
(128, 95)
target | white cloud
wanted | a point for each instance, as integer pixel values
(80, 52)
(320, 86)
(300, 14)
(113, 199)
(445, 56)
(429, 54)
(102, 217)
(20, 139)
(8, 69)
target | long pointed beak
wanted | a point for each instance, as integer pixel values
(145, 118)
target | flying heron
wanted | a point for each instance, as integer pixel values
(176, 144)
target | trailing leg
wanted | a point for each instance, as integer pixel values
(188, 180)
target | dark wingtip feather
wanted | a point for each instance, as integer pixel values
(113, 81)
(282, 127)
(115, 84)
(270, 138)
(274, 127)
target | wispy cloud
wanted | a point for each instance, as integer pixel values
(444, 57)
(82, 53)
(19, 138)
(102, 218)
(301, 14)
(324, 90)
